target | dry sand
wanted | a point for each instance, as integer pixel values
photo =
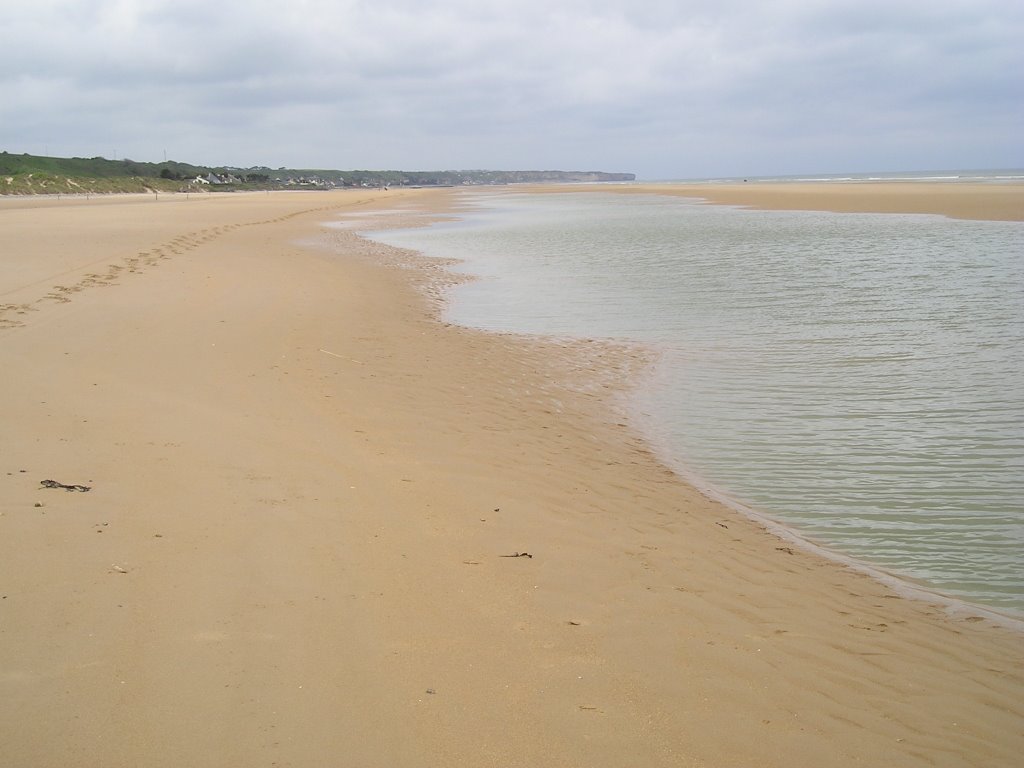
(304, 489)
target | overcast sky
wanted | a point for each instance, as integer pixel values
(662, 88)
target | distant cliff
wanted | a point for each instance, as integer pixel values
(539, 177)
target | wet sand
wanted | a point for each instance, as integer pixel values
(305, 496)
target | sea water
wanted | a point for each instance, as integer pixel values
(858, 377)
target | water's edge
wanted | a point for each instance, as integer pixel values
(903, 585)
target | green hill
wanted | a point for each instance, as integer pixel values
(36, 174)
(93, 167)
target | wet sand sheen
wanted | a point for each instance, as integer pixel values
(310, 485)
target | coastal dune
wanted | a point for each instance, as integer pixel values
(323, 527)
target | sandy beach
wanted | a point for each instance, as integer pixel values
(323, 527)
(984, 202)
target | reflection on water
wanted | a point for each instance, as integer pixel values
(858, 376)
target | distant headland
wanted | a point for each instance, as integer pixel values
(26, 174)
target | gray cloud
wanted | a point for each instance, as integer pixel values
(663, 88)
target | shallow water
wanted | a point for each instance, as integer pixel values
(859, 377)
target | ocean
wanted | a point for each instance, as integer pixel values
(858, 378)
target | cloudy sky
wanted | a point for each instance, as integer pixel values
(662, 88)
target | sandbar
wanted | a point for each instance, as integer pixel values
(958, 200)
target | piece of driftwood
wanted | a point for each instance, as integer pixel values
(55, 484)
